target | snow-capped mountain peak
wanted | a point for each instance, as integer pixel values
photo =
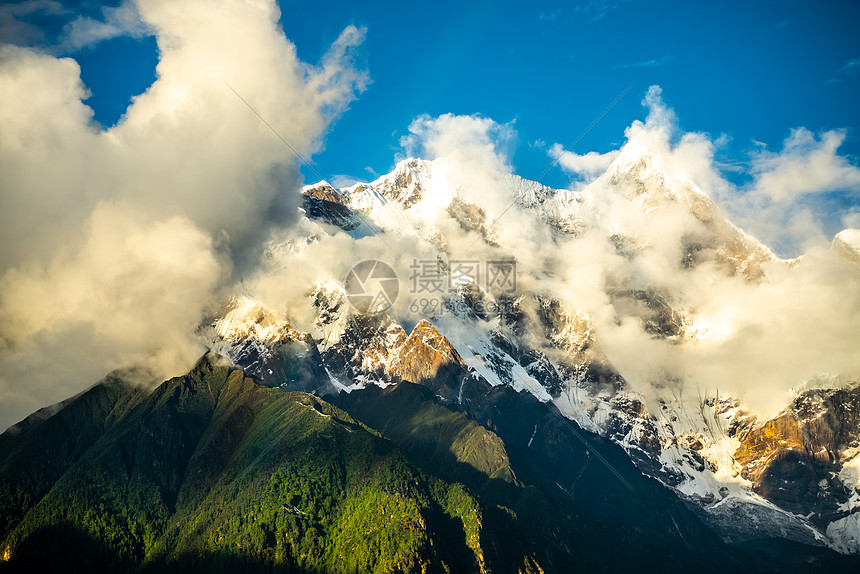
(645, 220)
(847, 244)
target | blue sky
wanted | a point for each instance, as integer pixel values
(197, 180)
(750, 70)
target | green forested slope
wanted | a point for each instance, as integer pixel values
(211, 470)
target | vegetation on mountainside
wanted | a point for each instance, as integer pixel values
(214, 472)
(211, 468)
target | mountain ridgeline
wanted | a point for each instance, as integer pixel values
(493, 435)
(211, 471)
(214, 472)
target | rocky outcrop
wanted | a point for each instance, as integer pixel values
(796, 460)
(426, 355)
(322, 202)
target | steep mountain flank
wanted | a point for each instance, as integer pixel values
(211, 470)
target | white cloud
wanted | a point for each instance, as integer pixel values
(763, 337)
(806, 165)
(851, 218)
(114, 243)
(472, 150)
(758, 337)
(778, 205)
(471, 139)
(587, 166)
(342, 180)
(122, 20)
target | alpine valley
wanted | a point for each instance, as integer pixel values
(588, 413)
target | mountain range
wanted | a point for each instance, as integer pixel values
(526, 426)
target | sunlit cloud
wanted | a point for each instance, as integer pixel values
(753, 339)
(122, 20)
(807, 164)
(588, 165)
(118, 242)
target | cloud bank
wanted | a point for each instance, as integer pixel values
(121, 20)
(656, 245)
(757, 338)
(806, 165)
(745, 323)
(116, 242)
(587, 166)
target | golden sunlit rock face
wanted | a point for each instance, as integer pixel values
(324, 192)
(795, 457)
(425, 354)
(766, 445)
